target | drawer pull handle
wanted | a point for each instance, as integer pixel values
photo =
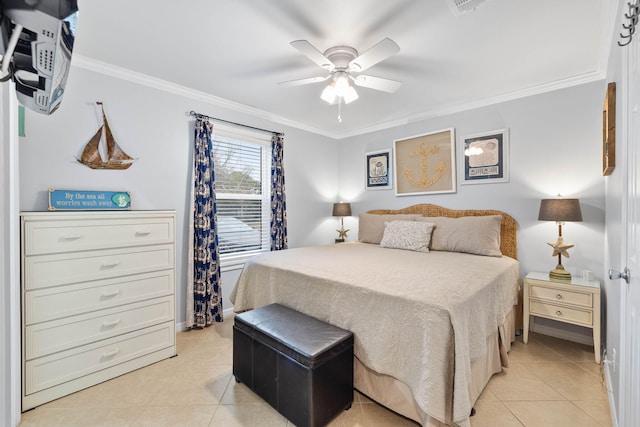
(72, 237)
(559, 313)
(111, 353)
(111, 293)
(559, 296)
(110, 264)
(143, 233)
(110, 323)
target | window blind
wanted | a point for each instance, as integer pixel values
(241, 178)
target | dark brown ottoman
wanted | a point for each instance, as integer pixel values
(301, 366)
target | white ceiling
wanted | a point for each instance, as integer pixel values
(237, 50)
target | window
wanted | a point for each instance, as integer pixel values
(242, 172)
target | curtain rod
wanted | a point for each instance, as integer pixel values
(204, 116)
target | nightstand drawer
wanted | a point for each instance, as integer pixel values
(582, 317)
(560, 295)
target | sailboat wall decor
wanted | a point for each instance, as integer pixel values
(116, 157)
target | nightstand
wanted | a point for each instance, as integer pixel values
(576, 302)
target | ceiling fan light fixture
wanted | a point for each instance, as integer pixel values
(341, 61)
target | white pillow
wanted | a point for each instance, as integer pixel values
(371, 226)
(478, 235)
(410, 235)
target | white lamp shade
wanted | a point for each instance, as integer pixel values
(329, 94)
(350, 96)
(342, 85)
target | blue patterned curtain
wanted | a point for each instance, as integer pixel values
(278, 199)
(207, 289)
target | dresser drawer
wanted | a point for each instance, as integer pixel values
(69, 235)
(42, 305)
(42, 271)
(560, 295)
(50, 337)
(58, 368)
(582, 317)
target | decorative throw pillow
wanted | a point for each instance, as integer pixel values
(371, 226)
(410, 235)
(478, 235)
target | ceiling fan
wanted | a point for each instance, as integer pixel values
(344, 65)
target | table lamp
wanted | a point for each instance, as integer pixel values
(341, 209)
(560, 211)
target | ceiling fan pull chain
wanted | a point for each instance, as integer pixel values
(340, 109)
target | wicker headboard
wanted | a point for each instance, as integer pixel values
(508, 238)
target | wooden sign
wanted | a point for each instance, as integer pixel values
(88, 200)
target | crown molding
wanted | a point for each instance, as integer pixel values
(156, 83)
(176, 89)
(466, 106)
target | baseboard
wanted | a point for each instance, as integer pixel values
(226, 314)
(563, 334)
(612, 406)
(181, 327)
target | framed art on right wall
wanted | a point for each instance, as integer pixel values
(425, 164)
(609, 130)
(485, 157)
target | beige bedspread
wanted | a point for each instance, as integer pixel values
(419, 317)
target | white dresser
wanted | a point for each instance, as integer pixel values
(98, 298)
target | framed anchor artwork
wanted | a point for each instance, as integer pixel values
(425, 164)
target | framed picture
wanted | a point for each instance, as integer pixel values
(425, 164)
(609, 130)
(378, 166)
(485, 158)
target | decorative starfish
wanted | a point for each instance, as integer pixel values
(342, 233)
(560, 247)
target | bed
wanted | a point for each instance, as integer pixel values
(431, 324)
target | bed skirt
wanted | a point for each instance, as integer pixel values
(396, 396)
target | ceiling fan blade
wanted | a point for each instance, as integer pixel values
(377, 83)
(377, 53)
(306, 81)
(308, 50)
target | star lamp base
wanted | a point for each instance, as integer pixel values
(559, 273)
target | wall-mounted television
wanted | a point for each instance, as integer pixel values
(37, 39)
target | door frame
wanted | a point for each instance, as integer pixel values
(10, 359)
(628, 150)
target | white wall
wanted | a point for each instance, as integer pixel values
(153, 126)
(555, 147)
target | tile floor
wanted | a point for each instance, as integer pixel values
(550, 383)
